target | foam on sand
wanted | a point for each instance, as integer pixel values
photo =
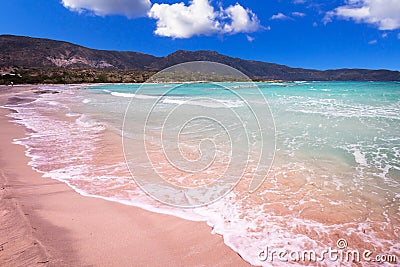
(330, 177)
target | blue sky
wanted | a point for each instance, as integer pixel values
(299, 33)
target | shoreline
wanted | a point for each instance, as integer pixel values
(59, 227)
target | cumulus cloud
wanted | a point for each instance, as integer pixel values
(181, 21)
(128, 8)
(176, 20)
(242, 20)
(200, 18)
(279, 16)
(385, 14)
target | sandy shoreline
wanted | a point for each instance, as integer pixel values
(46, 223)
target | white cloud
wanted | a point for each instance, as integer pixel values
(385, 14)
(242, 20)
(328, 17)
(384, 35)
(298, 14)
(181, 21)
(176, 20)
(200, 18)
(249, 38)
(279, 16)
(128, 8)
(373, 42)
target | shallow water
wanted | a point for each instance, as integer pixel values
(335, 174)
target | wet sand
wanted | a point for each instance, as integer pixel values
(45, 223)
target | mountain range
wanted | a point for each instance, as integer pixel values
(20, 51)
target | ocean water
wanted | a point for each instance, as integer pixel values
(335, 172)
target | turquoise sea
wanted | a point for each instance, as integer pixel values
(331, 151)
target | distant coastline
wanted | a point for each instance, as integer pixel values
(27, 60)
